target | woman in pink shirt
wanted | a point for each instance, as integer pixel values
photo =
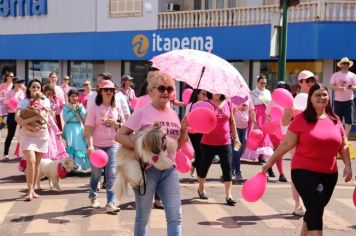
(4, 89)
(218, 142)
(165, 182)
(318, 135)
(100, 129)
(84, 96)
(18, 94)
(126, 83)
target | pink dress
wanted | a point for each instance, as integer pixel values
(56, 150)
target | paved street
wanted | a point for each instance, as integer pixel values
(68, 212)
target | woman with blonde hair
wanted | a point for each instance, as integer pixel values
(165, 182)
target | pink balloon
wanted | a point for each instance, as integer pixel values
(282, 97)
(256, 135)
(187, 93)
(254, 188)
(183, 163)
(134, 103)
(188, 150)
(13, 102)
(202, 104)
(251, 145)
(202, 120)
(270, 127)
(354, 196)
(99, 158)
(143, 101)
(277, 113)
(191, 130)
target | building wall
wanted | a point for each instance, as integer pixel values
(62, 16)
(148, 21)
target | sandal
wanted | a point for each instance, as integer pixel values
(28, 198)
(157, 206)
(298, 212)
(35, 195)
(203, 195)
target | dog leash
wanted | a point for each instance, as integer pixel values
(143, 167)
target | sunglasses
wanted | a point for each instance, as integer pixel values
(11, 76)
(163, 88)
(85, 84)
(309, 80)
(345, 63)
(108, 90)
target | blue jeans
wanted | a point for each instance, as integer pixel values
(166, 184)
(236, 155)
(110, 174)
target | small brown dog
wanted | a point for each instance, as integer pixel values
(35, 109)
(151, 148)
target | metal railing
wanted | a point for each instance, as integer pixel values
(305, 12)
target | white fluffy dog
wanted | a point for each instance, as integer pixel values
(151, 148)
(55, 170)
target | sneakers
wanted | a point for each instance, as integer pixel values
(282, 178)
(6, 158)
(95, 203)
(271, 173)
(112, 209)
(216, 159)
(238, 177)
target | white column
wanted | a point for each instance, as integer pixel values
(21, 69)
(114, 68)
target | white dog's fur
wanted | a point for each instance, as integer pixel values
(151, 147)
(48, 168)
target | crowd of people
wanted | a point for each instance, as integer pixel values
(72, 125)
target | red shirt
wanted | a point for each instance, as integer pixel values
(318, 144)
(220, 135)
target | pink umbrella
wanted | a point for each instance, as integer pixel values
(202, 70)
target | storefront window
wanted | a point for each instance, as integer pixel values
(41, 69)
(138, 70)
(7, 66)
(269, 69)
(79, 71)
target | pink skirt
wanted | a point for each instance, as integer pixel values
(30, 141)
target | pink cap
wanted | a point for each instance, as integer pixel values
(305, 74)
(106, 84)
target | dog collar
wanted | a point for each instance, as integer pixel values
(61, 171)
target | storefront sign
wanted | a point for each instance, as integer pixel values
(23, 7)
(141, 43)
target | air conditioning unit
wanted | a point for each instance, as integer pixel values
(173, 6)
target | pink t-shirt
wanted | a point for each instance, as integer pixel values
(148, 115)
(318, 144)
(4, 89)
(60, 95)
(103, 133)
(220, 135)
(83, 98)
(20, 95)
(343, 79)
(242, 114)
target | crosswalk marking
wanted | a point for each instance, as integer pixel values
(5, 208)
(331, 220)
(211, 212)
(80, 185)
(347, 202)
(45, 224)
(50, 217)
(262, 210)
(100, 220)
(158, 219)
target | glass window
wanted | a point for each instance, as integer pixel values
(138, 70)
(120, 8)
(220, 4)
(41, 69)
(6, 66)
(269, 68)
(231, 3)
(79, 71)
(197, 4)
